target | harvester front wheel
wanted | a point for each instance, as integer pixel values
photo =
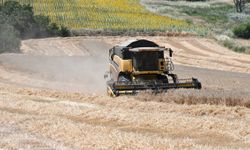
(163, 78)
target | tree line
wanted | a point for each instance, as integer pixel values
(240, 5)
(19, 22)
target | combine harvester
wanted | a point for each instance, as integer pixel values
(140, 65)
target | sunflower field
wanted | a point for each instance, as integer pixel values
(105, 14)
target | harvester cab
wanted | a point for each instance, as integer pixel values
(140, 65)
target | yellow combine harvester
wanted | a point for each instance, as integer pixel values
(140, 65)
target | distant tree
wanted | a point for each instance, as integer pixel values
(19, 22)
(240, 5)
(21, 17)
(9, 39)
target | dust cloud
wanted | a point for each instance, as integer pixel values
(69, 73)
(68, 67)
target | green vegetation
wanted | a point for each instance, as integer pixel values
(235, 47)
(9, 39)
(19, 22)
(243, 30)
(219, 18)
(214, 14)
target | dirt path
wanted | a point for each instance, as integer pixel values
(53, 97)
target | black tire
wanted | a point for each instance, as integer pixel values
(163, 78)
(197, 83)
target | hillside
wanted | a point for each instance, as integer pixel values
(218, 17)
(106, 14)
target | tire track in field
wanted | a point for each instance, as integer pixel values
(203, 47)
(186, 50)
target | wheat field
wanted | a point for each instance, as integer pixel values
(51, 98)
